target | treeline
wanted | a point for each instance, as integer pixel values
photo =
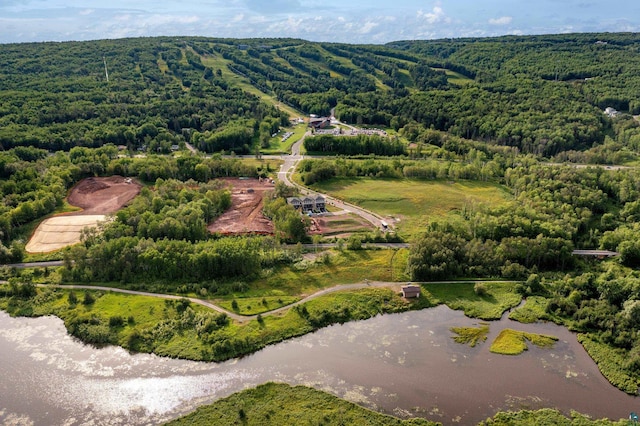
(354, 145)
(145, 259)
(441, 254)
(555, 209)
(473, 166)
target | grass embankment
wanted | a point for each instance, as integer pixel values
(180, 330)
(513, 342)
(414, 202)
(610, 362)
(280, 404)
(497, 298)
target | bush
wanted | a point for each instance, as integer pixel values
(480, 289)
(116, 321)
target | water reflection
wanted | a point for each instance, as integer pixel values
(405, 364)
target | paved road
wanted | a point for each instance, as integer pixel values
(289, 167)
(44, 264)
(586, 166)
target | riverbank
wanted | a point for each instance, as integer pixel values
(281, 404)
(178, 328)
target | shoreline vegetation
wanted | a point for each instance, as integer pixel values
(282, 404)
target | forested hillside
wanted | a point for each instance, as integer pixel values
(544, 95)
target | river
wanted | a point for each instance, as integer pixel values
(403, 364)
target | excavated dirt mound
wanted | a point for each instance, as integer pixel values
(97, 197)
(245, 214)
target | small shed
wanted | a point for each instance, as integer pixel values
(410, 290)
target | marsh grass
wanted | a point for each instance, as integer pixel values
(471, 335)
(533, 310)
(282, 404)
(497, 298)
(513, 342)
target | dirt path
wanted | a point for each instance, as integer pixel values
(245, 318)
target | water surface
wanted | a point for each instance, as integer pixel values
(404, 364)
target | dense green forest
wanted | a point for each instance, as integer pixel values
(543, 95)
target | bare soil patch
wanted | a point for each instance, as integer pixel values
(245, 214)
(338, 224)
(103, 195)
(98, 197)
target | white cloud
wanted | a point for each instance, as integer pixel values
(503, 20)
(367, 27)
(435, 16)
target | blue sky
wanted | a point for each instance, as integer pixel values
(355, 21)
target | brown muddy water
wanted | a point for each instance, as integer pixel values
(406, 365)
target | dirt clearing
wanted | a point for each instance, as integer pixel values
(338, 224)
(97, 197)
(245, 214)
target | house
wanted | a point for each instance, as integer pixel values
(319, 122)
(611, 112)
(308, 204)
(295, 202)
(410, 290)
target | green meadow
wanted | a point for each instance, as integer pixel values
(414, 202)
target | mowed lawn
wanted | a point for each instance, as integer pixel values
(414, 202)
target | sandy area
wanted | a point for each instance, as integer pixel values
(97, 197)
(60, 231)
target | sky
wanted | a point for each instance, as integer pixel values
(355, 21)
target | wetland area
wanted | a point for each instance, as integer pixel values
(402, 364)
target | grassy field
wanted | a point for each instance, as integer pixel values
(455, 78)
(276, 146)
(414, 202)
(256, 305)
(342, 267)
(281, 404)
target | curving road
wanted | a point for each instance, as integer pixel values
(289, 167)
